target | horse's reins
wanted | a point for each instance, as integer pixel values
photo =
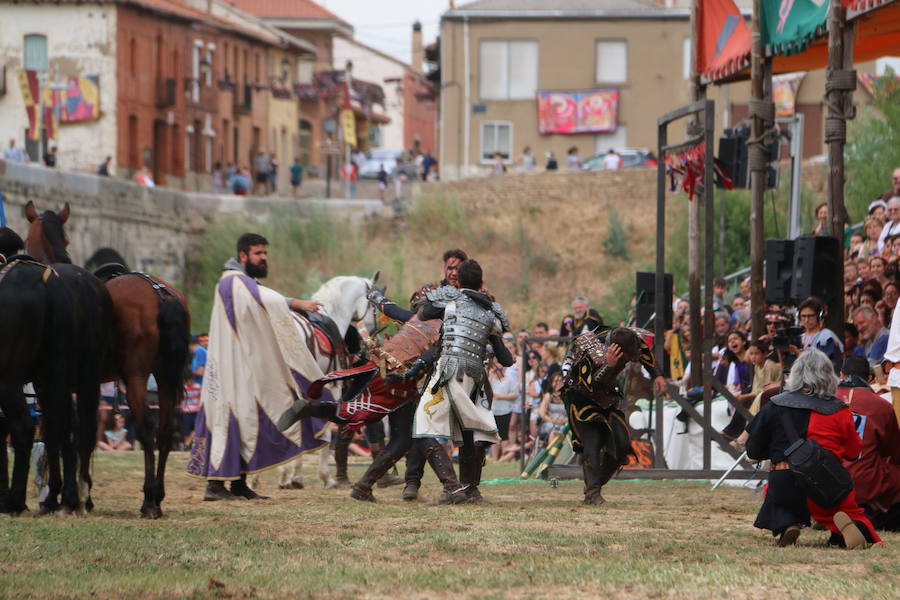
(45, 276)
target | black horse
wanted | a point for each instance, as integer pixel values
(92, 347)
(36, 345)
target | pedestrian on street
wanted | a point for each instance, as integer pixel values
(103, 169)
(296, 177)
(50, 157)
(15, 153)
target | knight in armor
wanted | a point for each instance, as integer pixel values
(452, 258)
(592, 400)
(455, 405)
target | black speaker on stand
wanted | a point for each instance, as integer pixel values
(816, 259)
(645, 292)
(779, 270)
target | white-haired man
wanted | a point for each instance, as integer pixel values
(807, 409)
(892, 227)
(872, 334)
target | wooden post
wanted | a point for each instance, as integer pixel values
(659, 298)
(698, 92)
(709, 128)
(756, 154)
(839, 104)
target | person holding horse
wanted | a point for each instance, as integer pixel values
(258, 363)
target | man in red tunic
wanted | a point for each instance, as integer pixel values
(876, 475)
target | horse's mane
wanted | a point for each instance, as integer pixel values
(330, 291)
(53, 231)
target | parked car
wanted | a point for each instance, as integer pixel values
(631, 157)
(388, 158)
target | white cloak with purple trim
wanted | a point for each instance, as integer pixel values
(258, 363)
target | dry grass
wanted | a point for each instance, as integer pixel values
(651, 540)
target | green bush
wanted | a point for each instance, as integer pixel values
(616, 242)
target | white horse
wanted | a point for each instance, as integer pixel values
(344, 300)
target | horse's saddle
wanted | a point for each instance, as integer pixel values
(106, 272)
(328, 328)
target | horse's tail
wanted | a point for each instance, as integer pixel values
(174, 324)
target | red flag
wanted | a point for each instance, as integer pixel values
(723, 39)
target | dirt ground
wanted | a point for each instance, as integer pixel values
(650, 540)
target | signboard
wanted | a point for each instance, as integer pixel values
(590, 111)
(348, 124)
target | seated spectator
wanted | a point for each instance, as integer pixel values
(850, 272)
(872, 232)
(876, 474)
(821, 220)
(856, 241)
(117, 437)
(815, 335)
(144, 177)
(872, 334)
(888, 302)
(552, 410)
(876, 270)
(877, 210)
(809, 405)
(852, 346)
(766, 374)
(586, 318)
(239, 183)
(862, 267)
(566, 326)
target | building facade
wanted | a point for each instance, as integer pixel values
(517, 74)
(44, 69)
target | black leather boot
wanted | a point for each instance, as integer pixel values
(386, 479)
(341, 450)
(240, 489)
(381, 464)
(471, 462)
(216, 490)
(453, 493)
(592, 471)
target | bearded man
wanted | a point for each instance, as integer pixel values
(257, 365)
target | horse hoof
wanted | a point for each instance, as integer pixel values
(330, 484)
(152, 512)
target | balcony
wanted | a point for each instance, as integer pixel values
(243, 99)
(165, 92)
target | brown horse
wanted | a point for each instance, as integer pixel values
(152, 326)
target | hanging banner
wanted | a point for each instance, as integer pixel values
(28, 83)
(348, 124)
(591, 111)
(785, 89)
(723, 39)
(79, 101)
(789, 26)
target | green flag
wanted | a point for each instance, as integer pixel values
(789, 26)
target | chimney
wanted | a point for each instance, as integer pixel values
(418, 52)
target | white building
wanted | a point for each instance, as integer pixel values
(385, 70)
(32, 38)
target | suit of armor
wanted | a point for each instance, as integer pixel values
(591, 397)
(454, 404)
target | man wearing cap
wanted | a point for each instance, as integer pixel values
(10, 243)
(876, 474)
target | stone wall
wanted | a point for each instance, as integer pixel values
(151, 228)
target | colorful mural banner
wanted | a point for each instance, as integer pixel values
(72, 100)
(79, 101)
(785, 89)
(590, 111)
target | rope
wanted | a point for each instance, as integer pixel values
(764, 109)
(843, 80)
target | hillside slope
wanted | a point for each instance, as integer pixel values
(539, 237)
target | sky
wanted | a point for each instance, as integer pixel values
(387, 24)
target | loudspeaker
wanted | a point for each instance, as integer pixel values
(733, 154)
(645, 292)
(816, 259)
(779, 270)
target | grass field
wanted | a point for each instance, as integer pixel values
(650, 540)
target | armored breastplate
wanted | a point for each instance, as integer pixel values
(466, 329)
(588, 372)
